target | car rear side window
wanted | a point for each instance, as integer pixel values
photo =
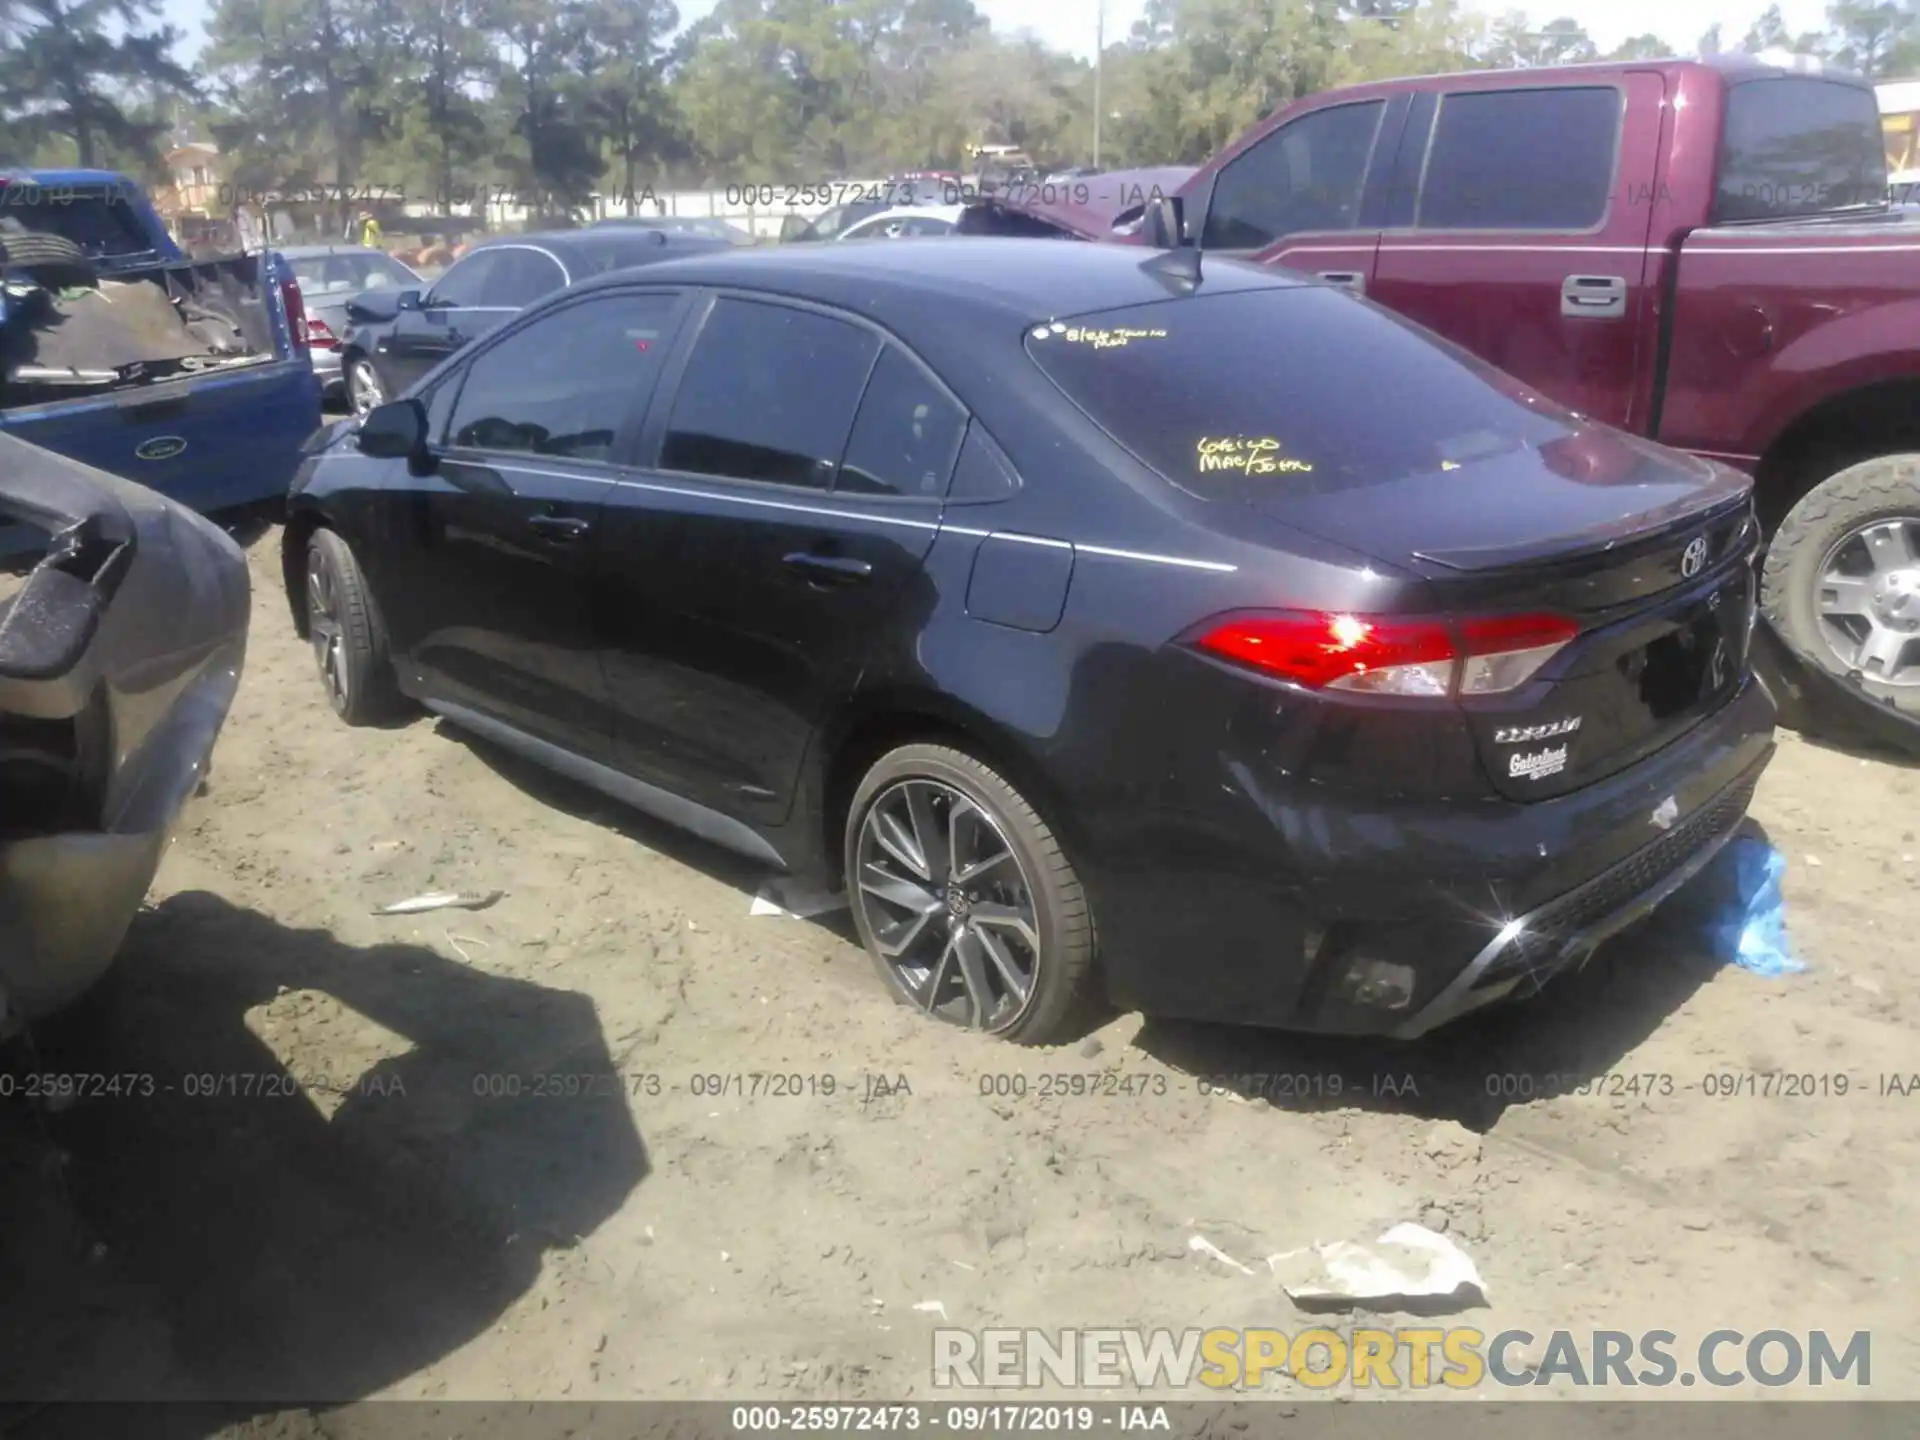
(1240, 394)
(1307, 175)
(769, 395)
(1521, 160)
(566, 382)
(906, 436)
(1794, 145)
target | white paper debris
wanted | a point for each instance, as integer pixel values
(1203, 1246)
(795, 901)
(1408, 1262)
(932, 1307)
(440, 900)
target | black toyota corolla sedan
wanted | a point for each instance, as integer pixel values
(1232, 650)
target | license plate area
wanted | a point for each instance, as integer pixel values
(1698, 659)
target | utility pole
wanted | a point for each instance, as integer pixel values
(1099, 65)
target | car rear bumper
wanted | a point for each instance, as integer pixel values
(1269, 913)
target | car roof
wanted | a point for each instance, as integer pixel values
(608, 243)
(316, 252)
(973, 278)
(949, 213)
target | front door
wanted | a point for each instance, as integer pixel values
(453, 312)
(1310, 194)
(502, 615)
(797, 482)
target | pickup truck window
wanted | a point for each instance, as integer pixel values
(1307, 175)
(1795, 145)
(1521, 160)
(1247, 394)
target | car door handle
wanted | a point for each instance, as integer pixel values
(1593, 297)
(560, 527)
(829, 569)
(1346, 279)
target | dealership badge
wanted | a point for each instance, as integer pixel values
(1539, 765)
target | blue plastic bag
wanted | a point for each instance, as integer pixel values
(1749, 923)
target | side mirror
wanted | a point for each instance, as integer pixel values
(408, 300)
(1163, 226)
(395, 431)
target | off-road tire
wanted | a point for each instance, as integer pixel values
(53, 260)
(1067, 997)
(372, 695)
(1887, 485)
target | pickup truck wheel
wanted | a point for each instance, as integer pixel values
(364, 391)
(1842, 580)
(349, 641)
(53, 260)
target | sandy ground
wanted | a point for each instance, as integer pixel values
(415, 1220)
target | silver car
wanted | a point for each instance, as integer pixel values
(330, 276)
(120, 652)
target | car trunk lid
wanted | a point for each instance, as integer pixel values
(1649, 554)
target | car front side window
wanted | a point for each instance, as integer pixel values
(465, 283)
(565, 383)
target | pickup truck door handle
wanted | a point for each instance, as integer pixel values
(1594, 297)
(560, 528)
(1346, 279)
(829, 569)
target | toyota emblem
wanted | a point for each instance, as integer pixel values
(1694, 558)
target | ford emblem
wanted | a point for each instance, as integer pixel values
(160, 447)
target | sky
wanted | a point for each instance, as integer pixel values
(1071, 24)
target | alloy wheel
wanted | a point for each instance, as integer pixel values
(325, 631)
(1868, 600)
(363, 387)
(948, 904)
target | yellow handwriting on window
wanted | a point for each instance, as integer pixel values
(1247, 454)
(1110, 339)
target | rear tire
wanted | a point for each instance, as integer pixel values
(361, 382)
(53, 260)
(348, 639)
(1852, 527)
(1007, 908)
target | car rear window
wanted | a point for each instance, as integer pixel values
(1793, 145)
(1240, 394)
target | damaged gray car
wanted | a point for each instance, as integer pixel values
(120, 651)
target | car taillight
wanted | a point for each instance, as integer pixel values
(319, 336)
(296, 310)
(1380, 656)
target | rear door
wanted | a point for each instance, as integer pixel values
(1520, 228)
(796, 480)
(497, 539)
(1311, 194)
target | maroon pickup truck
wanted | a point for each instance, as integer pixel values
(1701, 252)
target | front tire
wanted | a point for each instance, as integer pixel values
(1842, 581)
(349, 642)
(965, 900)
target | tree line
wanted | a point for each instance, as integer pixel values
(554, 100)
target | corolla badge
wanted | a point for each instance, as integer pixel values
(160, 447)
(1522, 734)
(1694, 558)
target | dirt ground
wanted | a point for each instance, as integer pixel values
(415, 1220)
